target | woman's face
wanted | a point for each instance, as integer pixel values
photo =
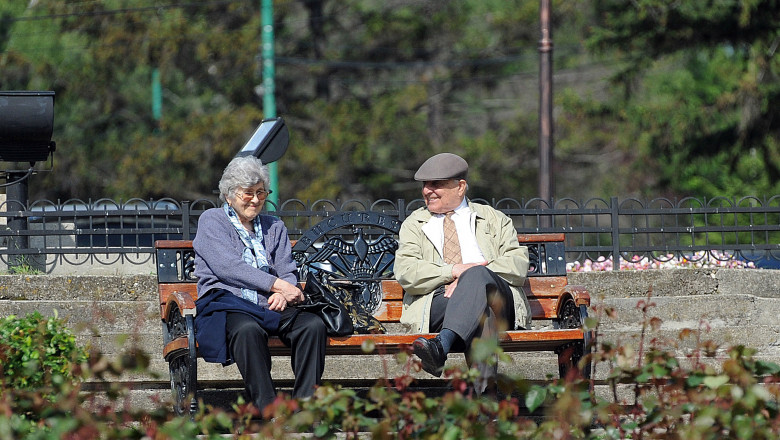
(248, 202)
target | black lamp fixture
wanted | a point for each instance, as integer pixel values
(269, 141)
(26, 126)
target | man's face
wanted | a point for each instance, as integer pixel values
(442, 196)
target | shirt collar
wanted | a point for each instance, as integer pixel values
(463, 208)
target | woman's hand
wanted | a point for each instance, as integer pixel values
(284, 294)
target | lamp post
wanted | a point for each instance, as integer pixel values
(545, 107)
(270, 139)
(269, 87)
(26, 126)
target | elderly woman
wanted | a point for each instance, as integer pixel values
(246, 285)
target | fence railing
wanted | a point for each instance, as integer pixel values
(107, 232)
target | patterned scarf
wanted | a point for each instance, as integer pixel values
(254, 251)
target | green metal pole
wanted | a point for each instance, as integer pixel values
(269, 101)
(156, 95)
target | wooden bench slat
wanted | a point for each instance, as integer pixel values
(534, 340)
(521, 340)
(173, 244)
(543, 308)
(546, 309)
(389, 311)
(392, 291)
(176, 344)
(166, 289)
(540, 238)
(522, 238)
(539, 287)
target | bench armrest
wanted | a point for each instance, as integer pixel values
(580, 294)
(181, 301)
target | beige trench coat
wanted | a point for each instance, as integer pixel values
(420, 269)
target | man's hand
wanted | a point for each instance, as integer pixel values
(450, 288)
(457, 271)
(284, 294)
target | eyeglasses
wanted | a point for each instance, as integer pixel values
(248, 196)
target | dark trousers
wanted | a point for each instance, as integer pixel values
(248, 345)
(481, 306)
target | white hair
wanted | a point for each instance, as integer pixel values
(242, 172)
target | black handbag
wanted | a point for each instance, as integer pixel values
(347, 292)
(321, 301)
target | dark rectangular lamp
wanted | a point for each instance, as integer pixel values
(269, 141)
(26, 126)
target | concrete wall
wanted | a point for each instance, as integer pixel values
(116, 313)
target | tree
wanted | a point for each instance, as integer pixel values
(369, 90)
(391, 83)
(699, 94)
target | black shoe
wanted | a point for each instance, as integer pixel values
(431, 353)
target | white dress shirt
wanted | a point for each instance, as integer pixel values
(465, 223)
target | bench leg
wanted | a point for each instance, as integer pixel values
(182, 386)
(569, 356)
(183, 368)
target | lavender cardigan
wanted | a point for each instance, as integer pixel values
(218, 256)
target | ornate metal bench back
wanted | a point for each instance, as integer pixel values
(358, 247)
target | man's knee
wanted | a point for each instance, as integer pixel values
(473, 283)
(476, 273)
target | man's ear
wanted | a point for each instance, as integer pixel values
(462, 187)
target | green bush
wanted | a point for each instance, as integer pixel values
(38, 353)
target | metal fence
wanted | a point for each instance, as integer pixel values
(107, 232)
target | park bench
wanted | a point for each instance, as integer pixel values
(360, 247)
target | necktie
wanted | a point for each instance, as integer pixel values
(451, 243)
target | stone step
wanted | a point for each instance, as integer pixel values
(689, 311)
(678, 282)
(82, 288)
(116, 313)
(761, 336)
(680, 311)
(619, 284)
(90, 316)
(743, 321)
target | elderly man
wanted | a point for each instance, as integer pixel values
(460, 265)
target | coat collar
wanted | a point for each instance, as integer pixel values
(434, 233)
(424, 216)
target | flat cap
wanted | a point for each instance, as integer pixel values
(443, 166)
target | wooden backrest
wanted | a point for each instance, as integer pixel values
(545, 286)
